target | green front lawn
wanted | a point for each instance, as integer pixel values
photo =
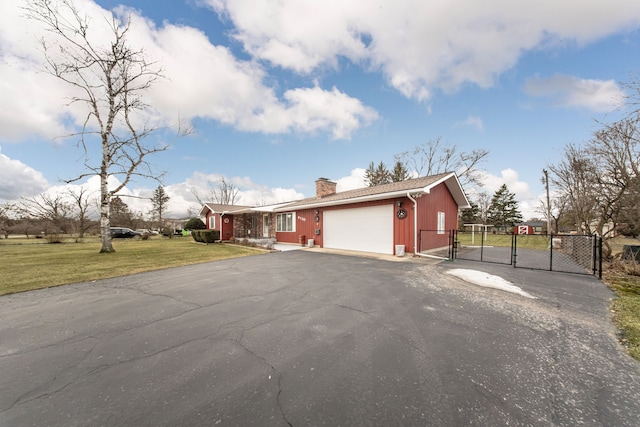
(27, 265)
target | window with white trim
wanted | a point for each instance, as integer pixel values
(441, 223)
(212, 222)
(286, 221)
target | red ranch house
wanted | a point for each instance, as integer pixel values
(371, 219)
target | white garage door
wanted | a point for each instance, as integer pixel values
(367, 229)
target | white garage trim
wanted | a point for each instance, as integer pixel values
(368, 229)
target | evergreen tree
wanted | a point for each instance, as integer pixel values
(159, 200)
(399, 172)
(503, 210)
(470, 215)
(377, 175)
(120, 215)
(369, 174)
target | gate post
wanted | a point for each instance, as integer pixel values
(453, 243)
(599, 246)
(551, 253)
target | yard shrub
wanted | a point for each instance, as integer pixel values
(195, 224)
(205, 236)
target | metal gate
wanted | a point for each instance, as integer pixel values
(563, 253)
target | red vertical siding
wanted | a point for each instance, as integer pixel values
(403, 227)
(305, 226)
(438, 200)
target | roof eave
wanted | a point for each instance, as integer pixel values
(455, 188)
(369, 198)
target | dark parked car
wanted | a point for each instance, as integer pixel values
(124, 233)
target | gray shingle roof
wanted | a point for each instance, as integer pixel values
(385, 190)
(219, 208)
(378, 192)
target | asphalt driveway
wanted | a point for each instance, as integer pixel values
(303, 338)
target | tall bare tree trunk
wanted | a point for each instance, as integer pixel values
(105, 212)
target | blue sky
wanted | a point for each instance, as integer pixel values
(281, 93)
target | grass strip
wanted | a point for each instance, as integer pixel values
(25, 267)
(626, 308)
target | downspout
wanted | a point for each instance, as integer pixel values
(415, 224)
(415, 231)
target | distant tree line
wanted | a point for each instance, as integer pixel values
(75, 212)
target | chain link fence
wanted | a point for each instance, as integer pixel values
(437, 243)
(563, 253)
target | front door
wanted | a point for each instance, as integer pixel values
(226, 227)
(265, 225)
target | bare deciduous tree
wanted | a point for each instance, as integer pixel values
(615, 150)
(435, 156)
(574, 178)
(5, 218)
(225, 192)
(483, 202)
(47, 208)
(221, 191)
(82, 208)
(110, 81)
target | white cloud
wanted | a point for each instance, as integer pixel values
(354, 181)
(528, 202)
(570, 91)
(17, 179)
(202, 81)
(472, 122)
(418, 45)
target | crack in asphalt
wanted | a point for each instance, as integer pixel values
(274, 369)
(388, 328)
(138, 289)
(23, 397)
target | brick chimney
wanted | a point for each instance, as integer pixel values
(324, 187)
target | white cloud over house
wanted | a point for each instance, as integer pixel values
(419, 46)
